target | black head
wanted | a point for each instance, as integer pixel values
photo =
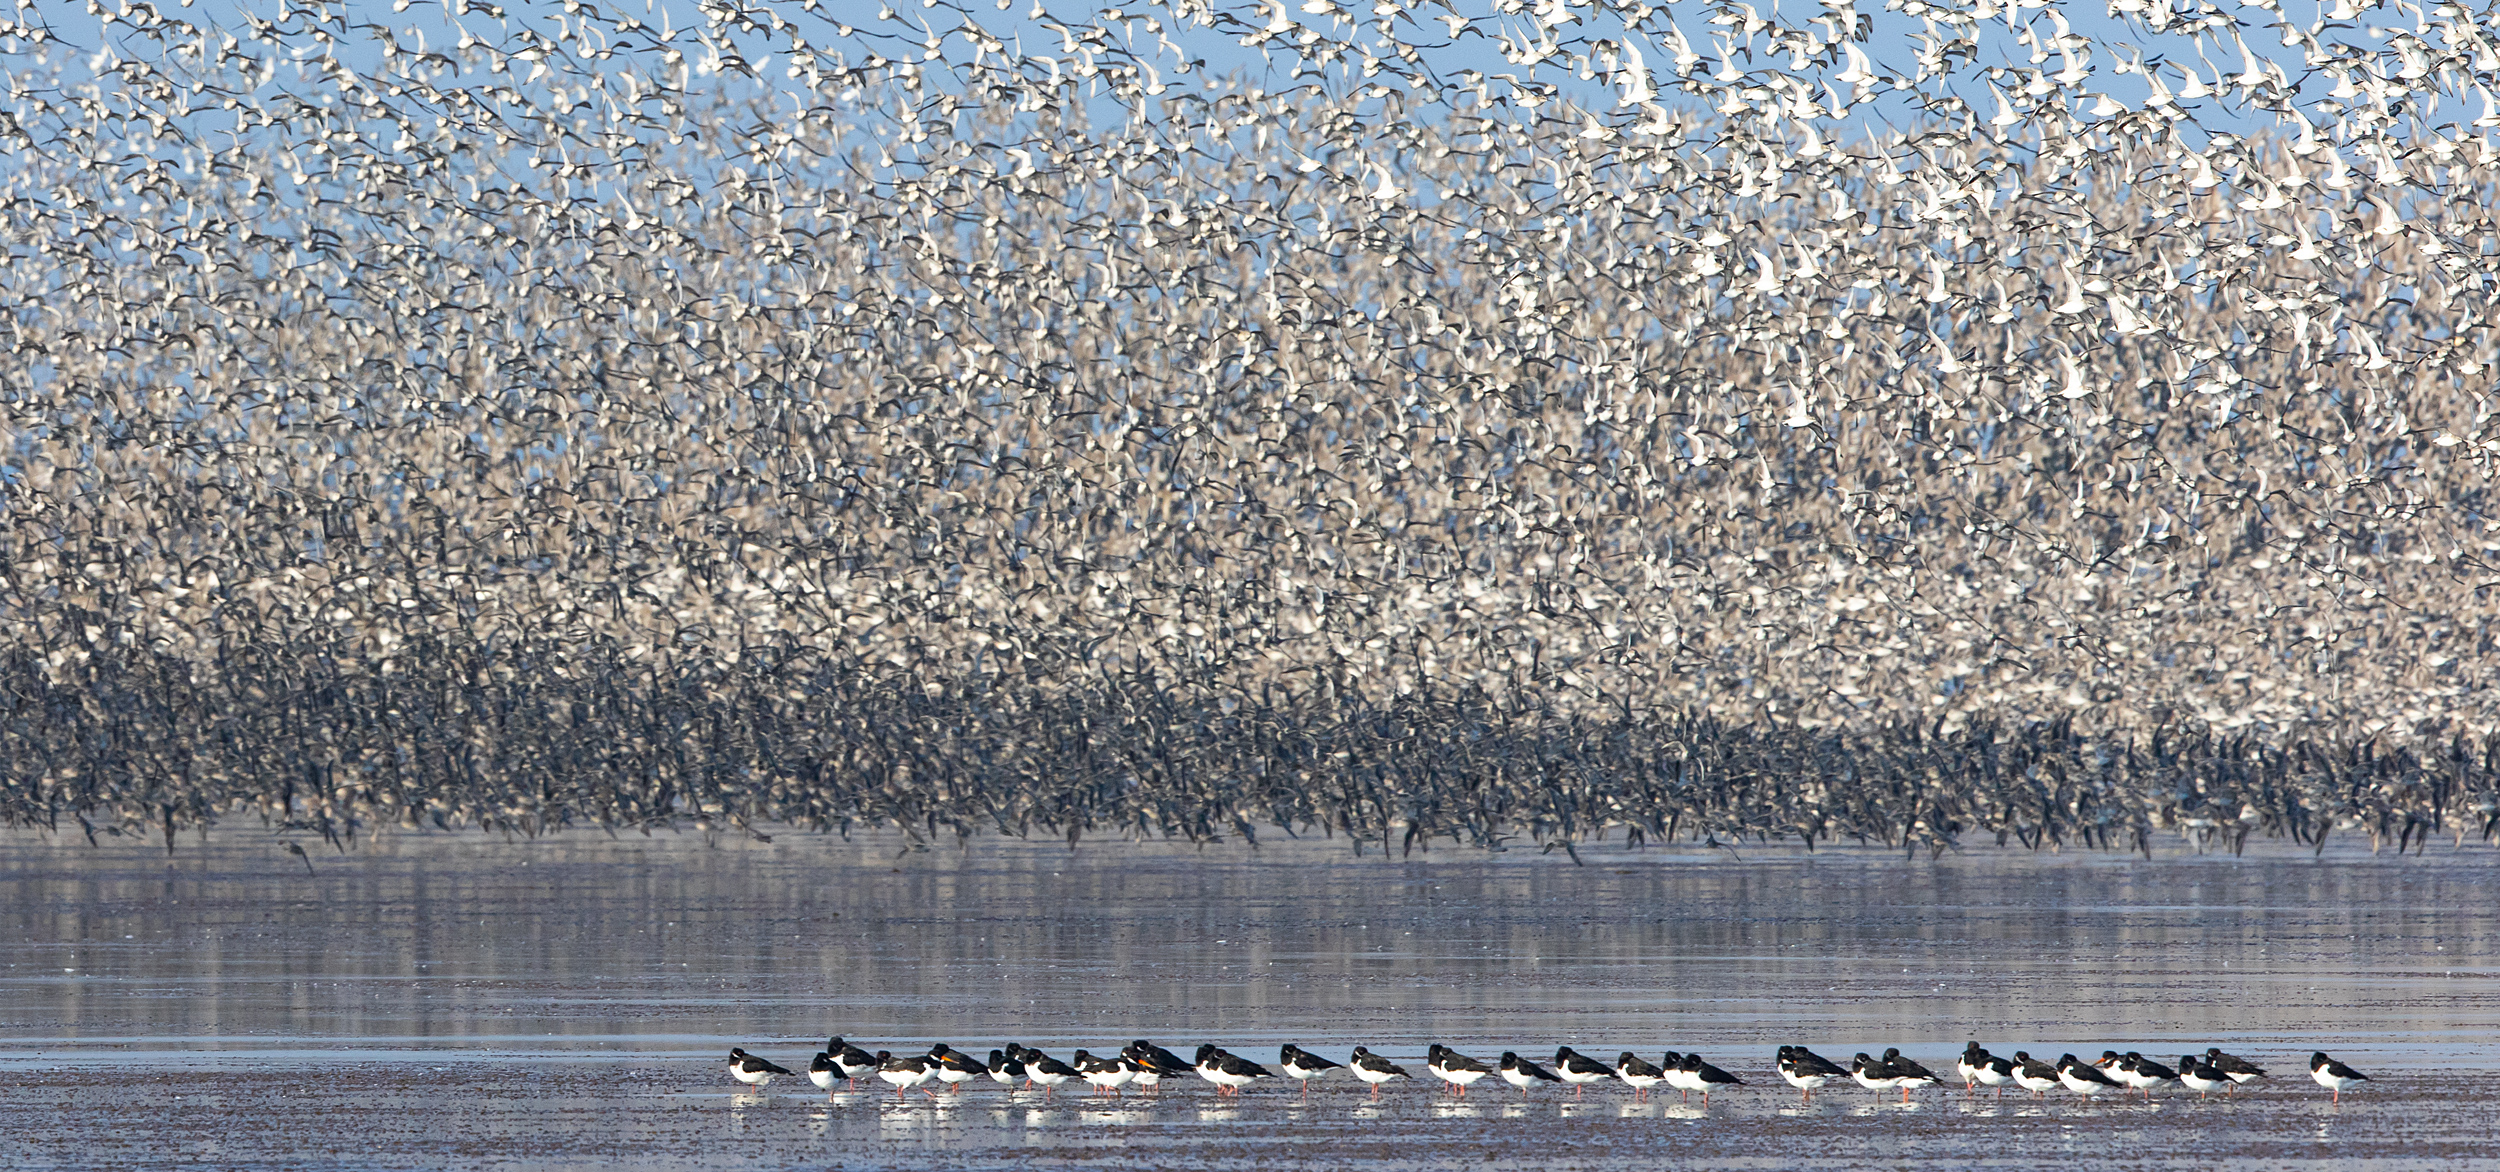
(1360, 1052)
(1692, 1062)
(1510, 1059)
(835, 1045)
(1562, 1053)
(1078, 1057)
(1206, 1051)
(2318, 1058)
(2022, 1055)
(1863, 1060)
(2188, 1062)
(884, 1056)
(1141, 1044)
(2109, 1055)
(997, 1057)
(938, 1051)
(2213, 1051)
(736, 1053)
(1436, 1050)
(1973, 1047)
(1670, 1058)
(1891, 1052)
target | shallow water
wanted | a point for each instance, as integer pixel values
(456, 1001)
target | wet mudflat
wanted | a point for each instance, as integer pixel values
(461, 1002)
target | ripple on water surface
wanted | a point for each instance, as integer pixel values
(457, 1002)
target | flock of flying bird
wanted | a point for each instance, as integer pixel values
(1145, 1065)
(1502, 417)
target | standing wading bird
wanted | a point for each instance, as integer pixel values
(1165, 1062)
(1105, 1075)
(1806, 1070)
(1374, 1069)
(1304, 1065)
(2035, 1076)
(1579, 1069)
(1454, 1068)
(1641, 1075)
(1706, 1078)
(2201, 1078)
(2239, 1070)
(2333, 1075)
(1521, 1073)
(2142, 1073)
(824, 1073)
(954, 1068)
(751, 1070)
(854, 1063)
(1047, 1071)
(2083, 1078)
(1228, 1071)
(1909, 1073)
(1005, 1069)
(907, 1073)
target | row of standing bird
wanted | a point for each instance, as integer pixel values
(1146, 1065)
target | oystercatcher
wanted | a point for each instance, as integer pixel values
(905, 1073)
(751, 1070)
(1454, 1068)
(1005, 1069)
(2083, 1078)
(2333, 1075)
(954, 1067)
(1521, 1073)
(1706, 1078)
(2239, 1070)
(2033, 1075)
(854, 1063)
(2142, 1073)
(1228, 1071)
(1640, 1074)
(1046, 1070)
(2201, 1078)
(1103, 1074)
(824, 1073)
(1993, 1071)
(1579, 1069)
(1806, 1070)
(1967, 1066)
(1872, 1074)
(1165, 1062)
(1374, 1069)
(1910, 1073)
(1304, 1065)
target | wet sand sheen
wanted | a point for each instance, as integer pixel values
(454, 1001)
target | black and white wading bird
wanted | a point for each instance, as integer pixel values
(1641, 1075)
(1521, 1073)
(954, 1068)
(1579, 1069)
(1105, 1075)
(2333, 1075)
(2239, 1070)
(1697, 1075)
(854, 1063)
(2083, 1078)
(1229, 1071)
(1047, 1071)
(1806, 1070)
(2035, 1076)
(2197, 1076)
(751, 1070)
(1454, 1068)
(1374, 1069)
(1911, 1074)
(2142, 1073)
(1005, 1069)
(907, 1073)
(1303, 1066)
